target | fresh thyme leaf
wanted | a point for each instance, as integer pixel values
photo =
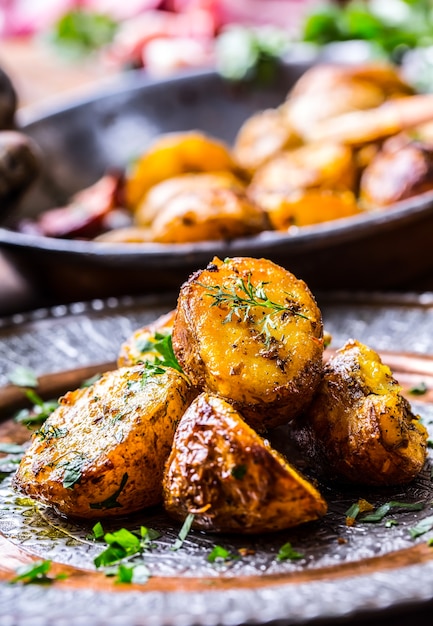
(243, 296)
(36, 573)
(422, 527)
(23, 377)
(183, 533)
(111, 502)
(287, 552)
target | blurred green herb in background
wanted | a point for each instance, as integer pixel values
(80, 32)
(393, 27)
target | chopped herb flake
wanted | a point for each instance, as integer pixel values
(239, 471)
(36, 573)
(220, 554)
(183, 533)
(419, 389)
(422, 527)
(287, 552)
(111, 502)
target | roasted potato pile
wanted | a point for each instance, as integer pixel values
(182, 419)
(315, 158)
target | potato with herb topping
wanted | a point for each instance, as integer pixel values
(230, 478)
(251, 332)
(359, 428)
(102, 452)
(142, 346)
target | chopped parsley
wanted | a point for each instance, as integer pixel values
(423, 526)
(288, 553)
(39, 412)
(37, 572)
(123, 544)
(73, 471)
(220, 554)
(419, 389)
(162, 344)
(183, 533)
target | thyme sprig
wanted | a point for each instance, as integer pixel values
(243, 296)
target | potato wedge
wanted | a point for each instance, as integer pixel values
(102, 452)
(250, 331)
(230, 478)
(359, 428)
(139, 348)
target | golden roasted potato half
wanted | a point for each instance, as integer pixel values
(230, 478)
(142, 345)
(173, 154)
(102, 452)
(261, 137)
(251, 332)
(359, 428)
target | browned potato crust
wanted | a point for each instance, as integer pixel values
(266, 362)
(230, 478)
(136, 348)
(102, 452)
(359, 427)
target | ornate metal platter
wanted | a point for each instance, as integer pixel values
(344, 571)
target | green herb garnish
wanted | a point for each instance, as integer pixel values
(381, 511)
(419, 389)
(98, 531)
(183, 533)
(162, 344)
(36, 573)
(239, 471)
(73, 471)
(287, 552)
(81, 31)
(422, 527)
(220, 554)
(243, 297)
(38, 413)
(124, 544)
(111, 502)
(23, 377)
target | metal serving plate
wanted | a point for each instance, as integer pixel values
(368, 571)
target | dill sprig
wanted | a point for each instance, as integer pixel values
(243, 296)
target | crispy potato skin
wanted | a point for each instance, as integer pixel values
(359, 428)
(270, 377)
(130, 352)
(221, 470)
(117, 428)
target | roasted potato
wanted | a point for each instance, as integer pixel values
(312, 206)
(155, 200)
(140, 347)
(261, 137)
(173, 154)
(251, 332)
(359, 428)
(207, 214)
(326, 91)
(401, 169)
(230, 478)
(102, 452)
